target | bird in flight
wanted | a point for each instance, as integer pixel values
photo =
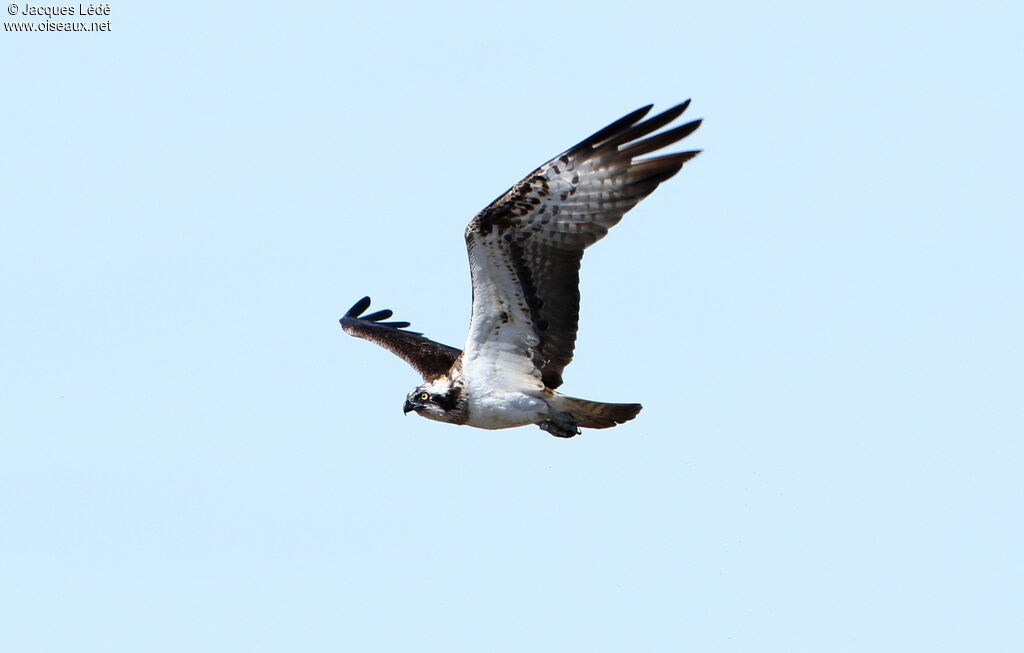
(524, 257)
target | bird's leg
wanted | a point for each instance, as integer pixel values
(561, 425)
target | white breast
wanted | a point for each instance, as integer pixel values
(491, 408)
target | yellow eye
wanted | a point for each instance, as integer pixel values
(424, 396)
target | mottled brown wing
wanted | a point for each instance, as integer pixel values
(569, 203)
(431, 359)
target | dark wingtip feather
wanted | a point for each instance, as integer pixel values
(648, 173)
(354, 320)
(358, 307)
(378, 316)
(661, 140)
(625, 122)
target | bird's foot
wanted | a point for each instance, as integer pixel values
(561, 425)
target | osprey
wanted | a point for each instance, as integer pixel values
(524, 258)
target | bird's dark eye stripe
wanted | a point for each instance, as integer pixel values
(449, 400)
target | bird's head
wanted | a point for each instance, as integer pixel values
(439, 400)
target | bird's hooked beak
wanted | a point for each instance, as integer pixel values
(409, 406)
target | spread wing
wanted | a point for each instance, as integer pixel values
(525, 248)
(431, 359)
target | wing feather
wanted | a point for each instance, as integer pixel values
(431, 359)
(525, 248)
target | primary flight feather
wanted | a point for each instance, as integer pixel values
(524, 257)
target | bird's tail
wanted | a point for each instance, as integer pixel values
(594, 414)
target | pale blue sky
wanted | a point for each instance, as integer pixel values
(821, 314)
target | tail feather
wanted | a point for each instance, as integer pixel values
(595, 414)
